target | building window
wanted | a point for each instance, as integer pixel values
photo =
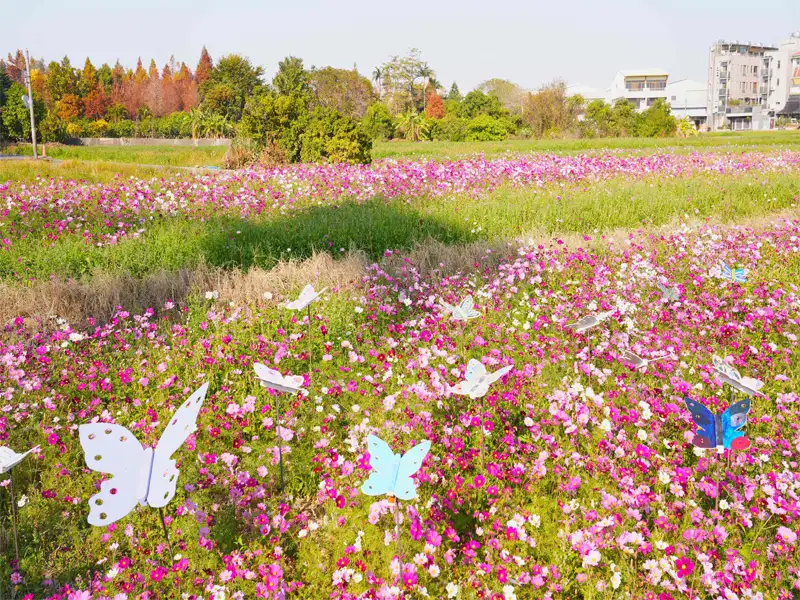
(673, 98)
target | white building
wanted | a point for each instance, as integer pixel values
(777, 75)
(736, 97)
(639, 87)
(586, 92)
(687, 98)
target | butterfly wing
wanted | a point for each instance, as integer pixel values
(467, 310)
(164, 473)
(384, 465)
(404, 487)
(114, 450)
(740, 275)
(303, 299)
(270, 378)
(706, 434)
(474, 379)
(9, 459)
(753, 386)
(584, 324)
(733, 420)
(632, 359)
(498, 374)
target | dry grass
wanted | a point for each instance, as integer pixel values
(101, 297)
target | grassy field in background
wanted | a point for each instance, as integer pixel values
(78, 170)
(180, 156)
(174, 156)
(727, 141)
(231, 242)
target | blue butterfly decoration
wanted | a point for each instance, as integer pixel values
(737, 275)
(720, 431)
(392, 472)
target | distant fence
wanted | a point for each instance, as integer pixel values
(147, 142)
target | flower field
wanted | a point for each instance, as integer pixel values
(575, 476)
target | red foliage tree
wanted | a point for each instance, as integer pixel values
(434, 109)
(96, 103)
(203, 71)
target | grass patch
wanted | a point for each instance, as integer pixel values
(90, 172)
(718, 141)
(172, 156)
(373, 227)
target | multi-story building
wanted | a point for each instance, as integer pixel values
(640, 87)
(777, 76)
(792, 106)
(687, 98)
(736, 97)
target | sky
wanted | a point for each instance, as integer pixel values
(529, 42)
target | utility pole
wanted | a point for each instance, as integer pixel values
(30, 101)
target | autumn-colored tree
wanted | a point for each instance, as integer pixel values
(88, 79)
(434, 108)
(152, 71)
(204, 67)
(96, 103)
(15, 67)
(61, 80)
(117, 74)
(139, 75)
(186, 87)
(70, 107)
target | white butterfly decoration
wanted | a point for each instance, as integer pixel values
(307, 296)
(270, 378)
(391, 472)
(669, 294)
(729, 375)
(478, 379)
(139, 475)
(637, 362)
(463, 312)
(10, 459)
(587, 323)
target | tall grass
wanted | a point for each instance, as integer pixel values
(174, 156)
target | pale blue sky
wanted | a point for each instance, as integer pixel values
(469, 41)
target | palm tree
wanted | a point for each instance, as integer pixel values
(410, 123)
(427, 74)
(196, 116)
(377, 75)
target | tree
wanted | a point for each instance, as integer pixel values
(292, 79)
(624, 120)
(434, 108)
(105, 77)
(477, 103)
(96, 103)
(377, 122)
(69, 108)
(15, 116)
(656, 120)
(485, 128)
(330, 136)
(237, 79)
(204, 67)
(345, 91)
(377, 79)
(510, 95)
(61, 79)
(88, 79)
(400, 75)
(410, 125)
(454, 93)
(548, 112)
(600, 118)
